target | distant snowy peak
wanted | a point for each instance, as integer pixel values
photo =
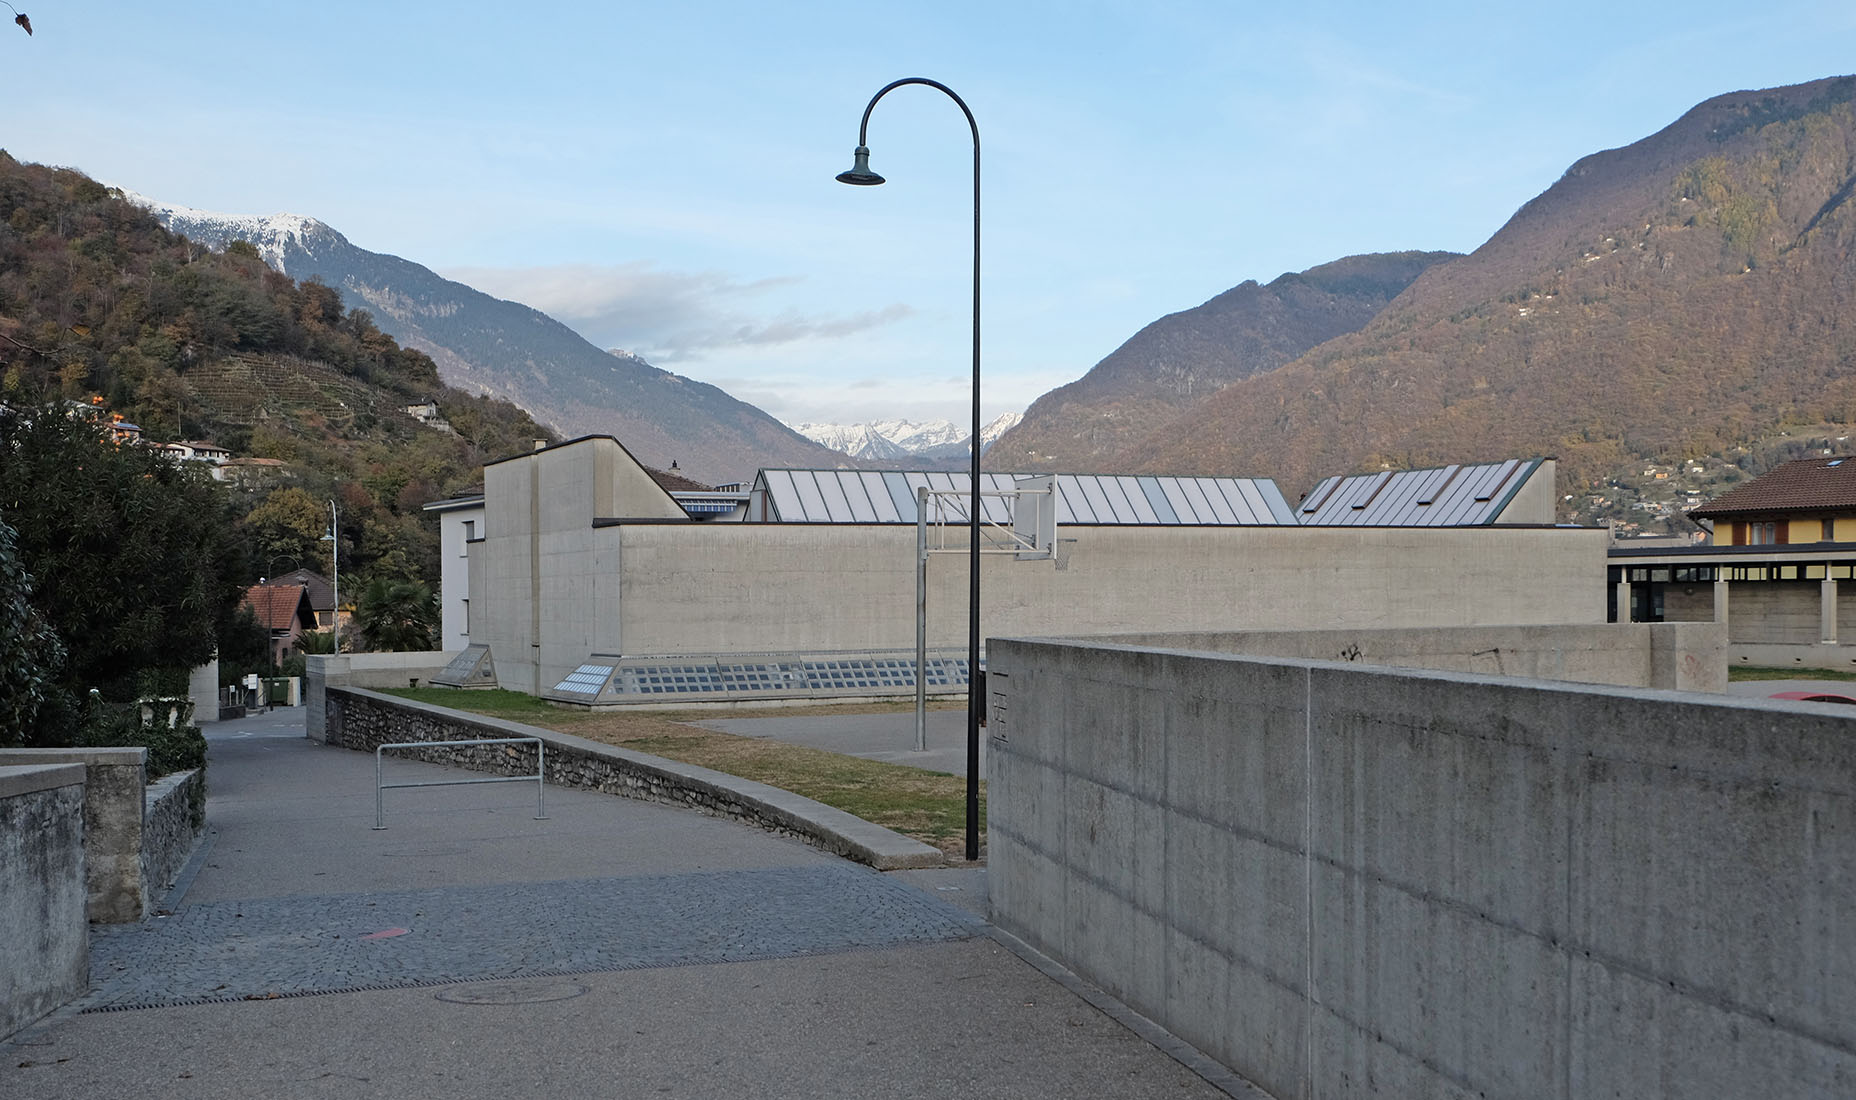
(889, 439)
(276, 236)
(999, 426)
(856, 440)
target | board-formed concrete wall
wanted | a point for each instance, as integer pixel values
(45, 945)
(1351, 881)
(1673, 656)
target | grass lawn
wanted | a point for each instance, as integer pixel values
(929, 806)
(1754, 672)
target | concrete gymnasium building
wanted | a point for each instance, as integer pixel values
(576, 572)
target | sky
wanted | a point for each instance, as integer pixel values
(660, 176)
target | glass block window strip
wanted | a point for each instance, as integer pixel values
(585, 680)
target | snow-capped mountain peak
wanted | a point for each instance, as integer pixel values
(999, 425)
(273, 235)
(890, 439)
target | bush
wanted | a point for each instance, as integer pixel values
(171, 748)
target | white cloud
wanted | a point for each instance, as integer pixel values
(667, 316)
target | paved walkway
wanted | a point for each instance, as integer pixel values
(615, 948)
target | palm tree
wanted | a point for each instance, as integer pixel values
(397, 616)
(315, 641)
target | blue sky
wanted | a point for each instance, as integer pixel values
(659, 176)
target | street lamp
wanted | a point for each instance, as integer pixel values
(335, 576)
(860, 175)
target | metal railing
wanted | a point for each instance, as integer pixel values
(380, 804)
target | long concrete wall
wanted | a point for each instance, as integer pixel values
(747, 588)
(1351, 881)
(1672, 656)
(44, 940)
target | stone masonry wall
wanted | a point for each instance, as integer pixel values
(175, 817)
(364, 720)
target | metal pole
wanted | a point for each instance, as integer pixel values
(921, 618)
(335, 575)
(974, 680)
(380, 802)
(541, 769)
(974, 701)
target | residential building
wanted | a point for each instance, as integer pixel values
(1774, 571)
(284, 611)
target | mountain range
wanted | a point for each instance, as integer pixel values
(1686, 295)
(487, 345)
(1185, 357)
(934, 443)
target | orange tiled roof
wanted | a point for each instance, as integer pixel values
(278, 606)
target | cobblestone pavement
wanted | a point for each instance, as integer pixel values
(294, 946)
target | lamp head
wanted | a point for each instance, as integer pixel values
(860, 174)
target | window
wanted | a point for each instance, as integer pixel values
(470, 532)
(1830, 531)
(466, 630)
(1762, 534)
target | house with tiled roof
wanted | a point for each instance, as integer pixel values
(1809, 500)
(284, 611)
(321, 593)
(1780, 569)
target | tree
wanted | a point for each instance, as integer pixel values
(135, 564)
(30, 654)
(289, 523)
(397, 616)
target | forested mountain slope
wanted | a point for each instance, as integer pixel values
(98, 301)
(1181, 359)
(1676, 297)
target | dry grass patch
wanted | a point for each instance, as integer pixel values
(1755, 672)
(929, 806)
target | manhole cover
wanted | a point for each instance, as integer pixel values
(511, 993)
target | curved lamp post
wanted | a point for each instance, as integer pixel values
(860, 175)
(335, 569)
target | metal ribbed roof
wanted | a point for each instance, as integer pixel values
(888, 496)
(1447, 496)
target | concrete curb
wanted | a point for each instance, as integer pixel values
(654, 778)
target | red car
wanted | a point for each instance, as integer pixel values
(1812, 697)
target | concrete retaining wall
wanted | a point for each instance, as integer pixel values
(1674, 656)
(363, 720)
(1350, 881)
(1801, 657)
(45, 945)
